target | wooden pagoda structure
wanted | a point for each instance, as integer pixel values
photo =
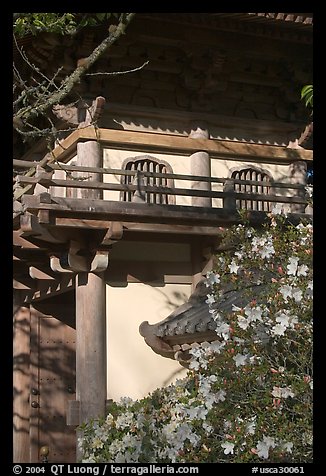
(212, 124)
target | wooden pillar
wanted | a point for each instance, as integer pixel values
(90, 346)
(298, 175)
(89, 155)
(21, 381)
(90, 315)
(200, 165)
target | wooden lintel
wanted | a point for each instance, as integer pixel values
(130, 140)
(171, 229)
(80, 223)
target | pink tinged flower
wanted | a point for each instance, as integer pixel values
(228, 448)
(243, 323)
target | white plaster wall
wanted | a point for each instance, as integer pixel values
(114, 158)
(134, 369)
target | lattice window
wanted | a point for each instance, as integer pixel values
(263, 188)
(147, 164)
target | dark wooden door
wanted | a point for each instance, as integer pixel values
(53, 378)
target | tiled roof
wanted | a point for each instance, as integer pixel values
(192, 322)
(305, 18)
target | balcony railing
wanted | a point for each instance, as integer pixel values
(59, 194)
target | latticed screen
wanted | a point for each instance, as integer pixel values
(262, 188)
(151, 166)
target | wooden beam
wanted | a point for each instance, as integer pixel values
(141, 141)
(170, 229)
(148, 213)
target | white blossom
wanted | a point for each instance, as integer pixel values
(292, 266)
(253, 313)
(288, 446)
(233, 267)
(251, 426)
(264, 446)
(282, 392)
(240, 359)
(220, 396)
(278, 330)
(302, 270)
(212, 278)
(228, 447)
(243, 323)
(223, 330)
(210, 299)
(277, 209)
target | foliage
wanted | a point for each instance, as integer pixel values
(307, 94)
(62, 23)
(247, 396)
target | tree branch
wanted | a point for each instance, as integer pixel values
(114, 73)
(67, 85)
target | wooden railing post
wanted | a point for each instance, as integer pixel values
(298, 175)
(200, 165)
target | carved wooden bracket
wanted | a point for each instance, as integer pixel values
(77, 259)
(81, 115)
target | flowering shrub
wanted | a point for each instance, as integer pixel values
(247, 396)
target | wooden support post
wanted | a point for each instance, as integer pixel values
(298, 175)
(89, 155)
(90, 316)
(200, 165)
(90, 345)
(21, 381)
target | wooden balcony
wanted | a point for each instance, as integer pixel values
(68, 225)
(57, 209)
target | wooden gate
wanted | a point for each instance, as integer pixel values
(52, 378)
